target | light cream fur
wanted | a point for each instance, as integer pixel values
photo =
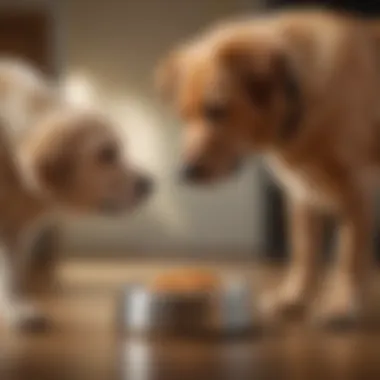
(55, 158)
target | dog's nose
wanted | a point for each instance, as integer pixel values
(144, 186)
(193, 172)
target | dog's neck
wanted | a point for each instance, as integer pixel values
(19, 207)
(20, 204)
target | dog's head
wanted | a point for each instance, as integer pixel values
(237, 92)
(78, 158)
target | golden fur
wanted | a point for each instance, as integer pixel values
(303, 89)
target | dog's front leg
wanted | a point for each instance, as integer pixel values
(305, 236)
(15, 311)
(342, 302)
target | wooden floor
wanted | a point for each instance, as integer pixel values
(84, 343)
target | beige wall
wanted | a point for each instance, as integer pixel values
(109, 50)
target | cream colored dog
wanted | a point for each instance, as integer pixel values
(302, 88)
(54, 158)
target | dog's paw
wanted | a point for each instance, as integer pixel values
(279, 304)
(339, 308)
(290, 299)
(27, 318)
(338, 317)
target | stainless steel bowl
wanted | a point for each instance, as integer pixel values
(227, 310)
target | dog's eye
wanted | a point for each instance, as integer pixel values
(108, 155)
(215, 113)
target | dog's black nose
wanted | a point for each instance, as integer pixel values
(144, 186)
(193, 172)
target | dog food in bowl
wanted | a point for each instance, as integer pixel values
(186, 281)
(187, 301)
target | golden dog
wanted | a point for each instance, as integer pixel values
(54, 158)
(302, 88)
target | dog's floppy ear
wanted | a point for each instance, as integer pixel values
(43, 101)
(53, 164)
(167, 75)
(263, 73)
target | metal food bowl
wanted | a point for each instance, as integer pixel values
(226, 310)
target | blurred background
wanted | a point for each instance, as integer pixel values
(105, 52)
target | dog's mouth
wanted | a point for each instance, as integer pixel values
(143, 190)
